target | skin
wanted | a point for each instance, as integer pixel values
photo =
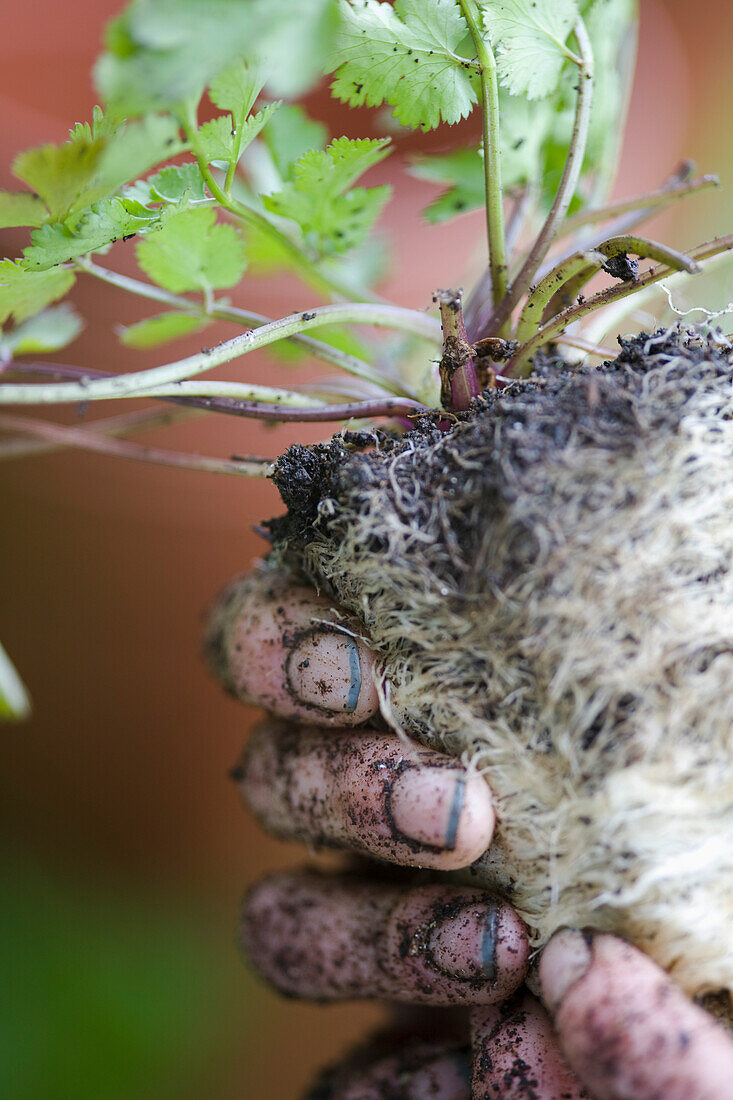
(611, 1025)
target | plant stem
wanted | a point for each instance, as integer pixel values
(520, 365)
(566, 189)
(458, 379)
(646, 249)
(351, 410)
(240, 391)
(564, 281)
(651, 202)
(90, 441)
(127, 423)
(137, 383)
(575, 271)
(492, 155)
(479, 307)
(350, 363)
(202, 400)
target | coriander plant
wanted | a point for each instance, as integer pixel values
(259, 187)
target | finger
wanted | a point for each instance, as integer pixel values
(626, 1029)
(516, 1050)
(285, 648)
(421, 1071)
(371, 792)
(326, 938)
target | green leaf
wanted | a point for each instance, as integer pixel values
(609, 24)
(97, 228)
(524, 131)
(46, 331)
(173, 184)
(406, 56)
(154, 57)
(216, 139)
(528, 38)
(225, 139)
(290, 134)
(463, 169)
(136, 147)
(235, 89)
(15, 704)
(20, 209)
(154, 331)
(251, 127)
(96, 161)
(265, 254)
(333, 218)
(60, 174)
(193, 252)
(294, 48)
(23, 293)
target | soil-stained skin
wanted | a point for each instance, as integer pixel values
(628, 1030)
(283, 647)
(366, 791)
(420, 1071)
(517, 1057)
(328, 939)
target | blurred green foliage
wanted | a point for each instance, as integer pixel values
(108, 995)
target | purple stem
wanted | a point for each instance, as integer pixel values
(458, 378)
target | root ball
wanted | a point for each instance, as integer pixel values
(550, 586)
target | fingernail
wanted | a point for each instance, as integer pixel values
(563, 962)
(324, 671)
(425, 806)
(463, 945)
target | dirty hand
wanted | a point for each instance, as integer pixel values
(619, 1022)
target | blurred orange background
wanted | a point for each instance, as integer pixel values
(127, 850)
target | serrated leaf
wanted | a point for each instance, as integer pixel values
(236, 88)
(225, 139)
(406, 56)
(335, 168)
(252, 126)
(193, 252)
(23, 293)
(154, 331)
(290, 134)
(96, 161)
(216, 139)
(332, 217)
(528, 38)
(49, 330)
(61, 173)
(154, 57)
(19, 208)
(103, 224)
(136, 147)
(171, 185)
(15, 704)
